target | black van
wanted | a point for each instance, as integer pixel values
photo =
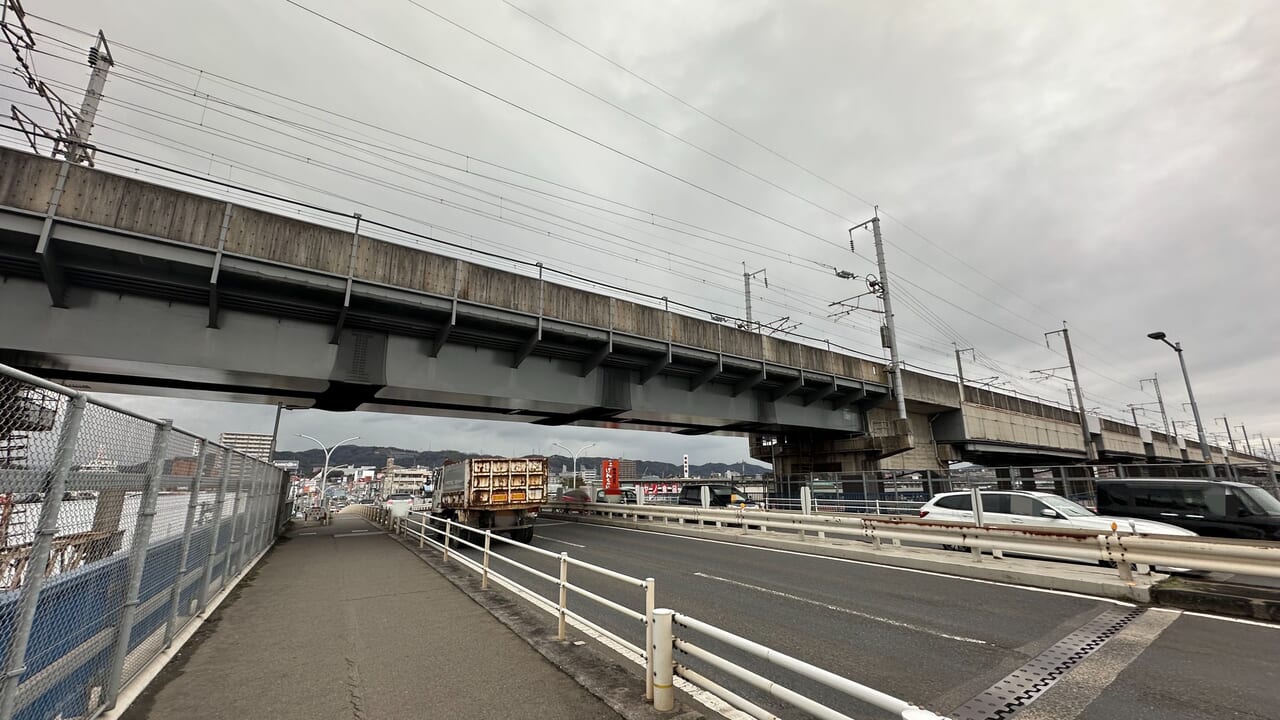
(1209, 507)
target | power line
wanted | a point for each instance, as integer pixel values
(555, 123)
(811, 173)
(627, 112)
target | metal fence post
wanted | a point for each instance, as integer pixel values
(242, 518)
(260, 511)
(448, 524)
(175, 592)
(218, 503)
(661, 650)
(484, 576)
(33, 578)
(250, 508)
(649, 595)
(138, 557)
(561, 633)
(271, 510)
(237, 517)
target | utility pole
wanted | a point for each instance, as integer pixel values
(746, 287)
(100, 61)
(1230, 438)
(1090, 451)
(960, 368)
(894, 356)
(1155, 381)
(1247, 445)
(1134, 410)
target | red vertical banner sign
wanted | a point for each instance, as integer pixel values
(609, 477)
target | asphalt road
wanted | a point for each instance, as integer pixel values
(934, 640)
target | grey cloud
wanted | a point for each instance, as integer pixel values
(1113, 163)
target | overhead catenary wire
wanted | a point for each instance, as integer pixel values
(901, 281)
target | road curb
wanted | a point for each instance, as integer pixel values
(1245, 601)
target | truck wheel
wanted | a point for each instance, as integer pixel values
(524, 535)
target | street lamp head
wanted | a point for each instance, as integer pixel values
(1157, 335)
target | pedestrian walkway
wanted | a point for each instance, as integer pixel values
(341, 621)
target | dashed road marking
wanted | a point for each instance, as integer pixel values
(566, 542)
(847, 611)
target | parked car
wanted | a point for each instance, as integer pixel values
(628, 496)
(722, 496)
(1207, 507)
(1036, 509)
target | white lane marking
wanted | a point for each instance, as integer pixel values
(932, 573)
(847, 611)
(1242, 621)
(313, 532)
(359, 531)
(366, 533)
(555, 522)
(566, 542)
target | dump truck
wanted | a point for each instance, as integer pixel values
(498, 494)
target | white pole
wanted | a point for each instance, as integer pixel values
(661, 649)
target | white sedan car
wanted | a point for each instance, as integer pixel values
(1036, 509)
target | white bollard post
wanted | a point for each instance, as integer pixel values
(976, 499)
(561, 629)
(484, 576)
(661, 649)
(447, 527)
(649, 595)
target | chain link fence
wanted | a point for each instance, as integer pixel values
(116, 531)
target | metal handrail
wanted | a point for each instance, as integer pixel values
(442, 537)
(1121, 547)
(659, 663)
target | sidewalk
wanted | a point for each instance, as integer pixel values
(346, 623)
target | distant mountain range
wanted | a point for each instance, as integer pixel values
(310, 461)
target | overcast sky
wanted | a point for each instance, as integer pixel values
(1112, 164)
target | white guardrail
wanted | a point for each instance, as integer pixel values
(1124, 549)
(660, 625)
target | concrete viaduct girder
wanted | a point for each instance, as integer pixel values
(137, 321)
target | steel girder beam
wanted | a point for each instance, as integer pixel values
(596, 359)
(749, 382)
(442, 337)
(852, 397)
(526, 349)
(789, 388)
(822, 393)
(654, 368)
(707, 375)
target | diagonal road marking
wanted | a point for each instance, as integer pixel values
(847, 611)
(566, 542)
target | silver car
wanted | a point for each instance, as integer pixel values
(1037, 509)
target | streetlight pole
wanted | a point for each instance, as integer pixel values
(328, 451)
(575, 458)
(1195, 409)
